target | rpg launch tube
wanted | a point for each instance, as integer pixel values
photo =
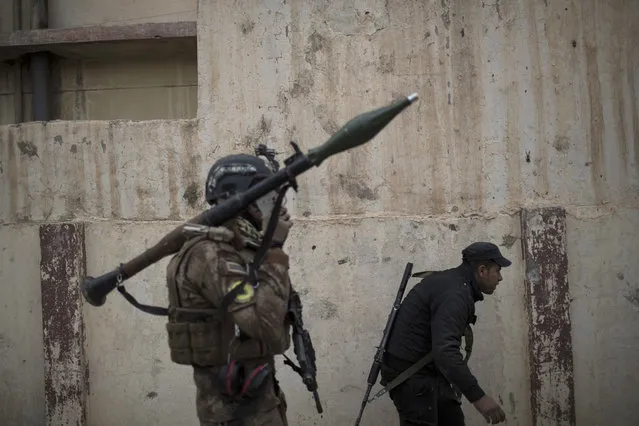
(355, 132)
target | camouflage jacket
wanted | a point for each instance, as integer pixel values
(210, 268)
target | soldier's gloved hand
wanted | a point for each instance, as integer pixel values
(491, 411)
(282, 228)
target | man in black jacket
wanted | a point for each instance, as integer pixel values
(432, 319)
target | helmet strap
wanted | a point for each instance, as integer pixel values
(268, 234)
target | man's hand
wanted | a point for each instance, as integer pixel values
(491, 411)
(283, 225)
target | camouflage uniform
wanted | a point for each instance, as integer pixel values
(254, 329)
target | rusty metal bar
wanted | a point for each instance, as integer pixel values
(62, 267)
(18, 43)
(548, 303)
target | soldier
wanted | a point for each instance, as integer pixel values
(229, 334)
(432, 318)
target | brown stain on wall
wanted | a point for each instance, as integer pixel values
(12, 171)
(116, 209)
(288, 106)
(592, 107)
(537, 91)
(144, 195)
(513, 141)
(596, 122)
(80, 95)
(414, 154)
(439, 176)
(443, 160)
(192, 182)
(564, 77)
(619, 44)
(467, 107)
(28, 157)
(357, 188)
(28, 148)
(81, 163)
(98, 157)
(329, 77)
(171, 161)
(62, 266)
(355, 182)
(633, 63)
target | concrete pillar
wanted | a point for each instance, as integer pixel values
(66, 374)
(548, 304)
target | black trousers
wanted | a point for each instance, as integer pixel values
(423, 399)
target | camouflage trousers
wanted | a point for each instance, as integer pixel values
(267, 409)
(273, 417)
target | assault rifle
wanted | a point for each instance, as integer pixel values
(381, 349)
(355, 132)
(304, 350)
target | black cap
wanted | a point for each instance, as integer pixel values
(485, 251)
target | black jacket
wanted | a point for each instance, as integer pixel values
(433, 317)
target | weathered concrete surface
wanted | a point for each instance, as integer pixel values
(71, 13)
(118, 169)
(21, 350)
(66, 374)
(133, 381)
(462, 158)
(347, 291)
(545, 259)
(522, 103)
(603, 244)
(517, 98)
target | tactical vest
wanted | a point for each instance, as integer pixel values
(202, 337)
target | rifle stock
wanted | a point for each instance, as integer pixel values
(379, 355)
(355, 132)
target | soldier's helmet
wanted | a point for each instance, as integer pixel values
(234, 174)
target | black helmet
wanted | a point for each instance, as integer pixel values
(234, 174)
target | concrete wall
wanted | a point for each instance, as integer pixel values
(605, 310)
(22, 368)
(96, 169)
(521, 104)
(516, 99)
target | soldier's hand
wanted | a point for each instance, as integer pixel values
(491, 411)
(283, 225)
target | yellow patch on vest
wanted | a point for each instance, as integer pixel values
(246, 294)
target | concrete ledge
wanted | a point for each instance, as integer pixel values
(83, 41)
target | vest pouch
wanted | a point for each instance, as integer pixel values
(179, 342)
(247, 349)
(206, 344)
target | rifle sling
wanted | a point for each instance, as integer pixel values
(228, 298)
(403, 376)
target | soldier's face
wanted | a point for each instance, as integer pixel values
(488, 278)
(266, 204)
